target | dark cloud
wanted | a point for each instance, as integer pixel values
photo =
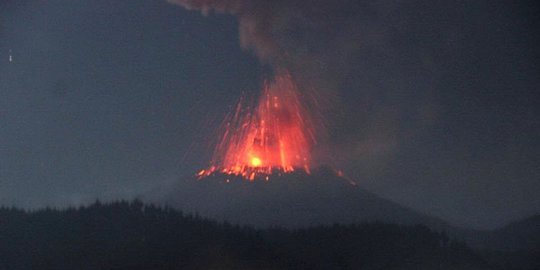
(317, 38)
(333, 47)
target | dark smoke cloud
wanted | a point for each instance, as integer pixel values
(320, 43)
(390, 76)
(307, 37)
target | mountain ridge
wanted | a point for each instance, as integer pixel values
(298, 200)
(289, 200)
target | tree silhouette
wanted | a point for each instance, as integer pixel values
(131, 235)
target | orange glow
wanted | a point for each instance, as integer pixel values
(256, 162)
(274, 135)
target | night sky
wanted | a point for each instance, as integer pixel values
(432, 104)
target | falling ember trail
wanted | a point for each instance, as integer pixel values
(274, 136)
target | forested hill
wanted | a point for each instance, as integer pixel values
(130, 235)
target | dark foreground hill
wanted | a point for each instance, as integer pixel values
(514, 246)
(133, 236)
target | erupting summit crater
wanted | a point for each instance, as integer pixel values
(274, 136)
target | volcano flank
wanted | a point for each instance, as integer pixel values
(289, 199)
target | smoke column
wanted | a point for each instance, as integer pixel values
(323, 45)
(312, 39)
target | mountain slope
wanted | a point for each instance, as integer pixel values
(300, 200)
(289, 200)
(523, 234)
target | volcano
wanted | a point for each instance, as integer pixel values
(289, 199)
(262, 172)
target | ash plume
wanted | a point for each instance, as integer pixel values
(314, 38)
(331, 47)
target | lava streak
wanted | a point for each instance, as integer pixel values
(276, 135)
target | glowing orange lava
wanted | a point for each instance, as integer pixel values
(256, 162)
(275, 135)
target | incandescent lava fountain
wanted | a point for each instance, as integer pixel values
(275, 135)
